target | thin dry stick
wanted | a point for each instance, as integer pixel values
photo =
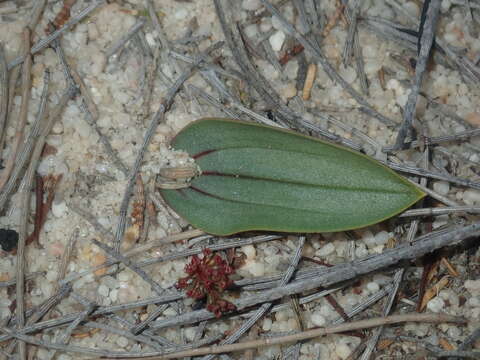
(441, 211)
(25, 207)
(3, 91)
(62, 268)
(22, 117)
(426, 42)
(311, 334)
(28, 145)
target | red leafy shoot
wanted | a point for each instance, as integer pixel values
(208, 277)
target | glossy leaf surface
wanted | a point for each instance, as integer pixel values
(256, 177)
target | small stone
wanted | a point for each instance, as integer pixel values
(99, 259)
(326, 250)
(249, 251)
(373, 287)
(473, 118)
(441, 187)
(103, 290)
(251, 5)
(113, 295)
(57, 128)
(276, 40)
(446, 5)
(436, 304)
(265, 25)
(190, 333)
(471, 197)
(382, 238)
(342, 350)
(59, 209)
(473, 286)
(181, 14)
(318, 319)
(267, 324)
(281, 315)
(474, 302)
(254, 268)
(368, 238)
(122, 341)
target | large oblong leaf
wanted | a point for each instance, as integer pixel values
(256, 177)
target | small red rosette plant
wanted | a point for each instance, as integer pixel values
(208, 277)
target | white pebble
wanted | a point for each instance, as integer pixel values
(181, 13)
(474, 302)
(471, 197)
(436, 304)
(103, 290)
(265, 25)
(190, 333)
(267, 324)
(373, 287)
(276, 40)
(361, 251)
(113, 295)
(450, 296)
(368, 239)
(282, 315)
(57, 128)
(473, 286)
(59, 209)
(382, 237)
(254, 268)
(342, 350)
(251, 5)
(441, 187)
(122, 341)
(326, 250)
(318, 319)
(249, 251)
(98, 60)
(446, 5)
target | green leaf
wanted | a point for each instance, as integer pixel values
(256, 177)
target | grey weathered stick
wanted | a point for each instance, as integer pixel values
(23, 114)
(28, 145)
(426, 43)
(352, 15)
(433, 175)
(441, 211)
(464, 135)
(27, 277)
(65, 259)
(329, 276)
(117, 45)
(3, 91)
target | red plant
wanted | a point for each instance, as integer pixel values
(208, 277)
